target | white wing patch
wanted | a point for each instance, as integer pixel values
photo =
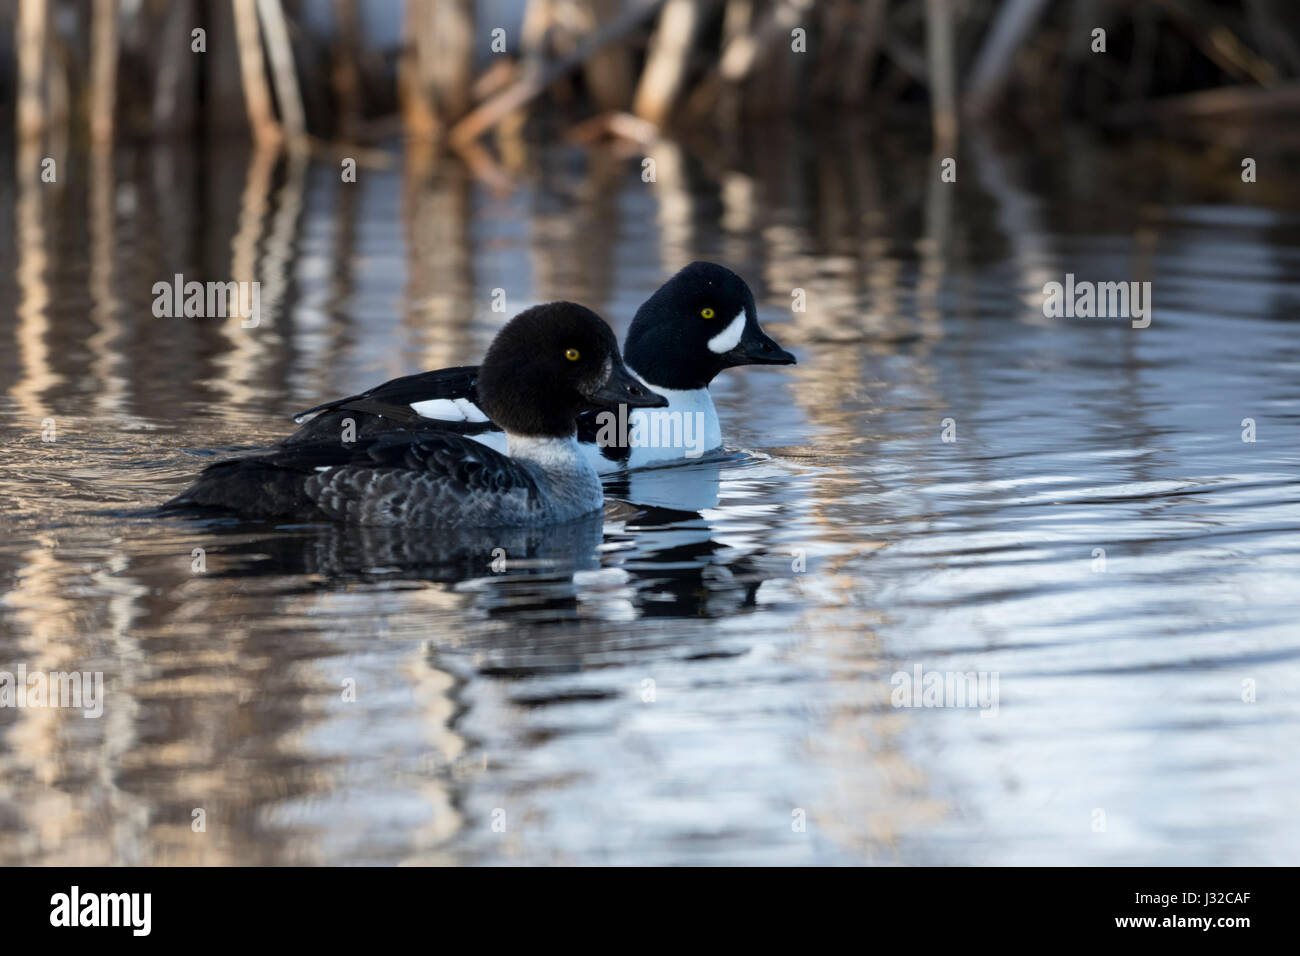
(449, 410)
(728, 338)
(497, 441)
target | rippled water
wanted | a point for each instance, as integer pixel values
(708, 677)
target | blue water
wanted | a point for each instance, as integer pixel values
(709, 674)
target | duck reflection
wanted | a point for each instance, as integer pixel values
(349, 553)
(680, 568)
(687, 488)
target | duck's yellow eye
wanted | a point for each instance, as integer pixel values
(571, 354)
(707, 313)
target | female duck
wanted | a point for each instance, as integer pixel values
(545, 367)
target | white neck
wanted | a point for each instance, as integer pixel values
(574, 485)
(549, 453)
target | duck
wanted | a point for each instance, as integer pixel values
(699, 323)
(544, 368)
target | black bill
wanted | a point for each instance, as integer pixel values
(622, 388)
(756, 347)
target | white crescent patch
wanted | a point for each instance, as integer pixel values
(449, 410)
(729, 338)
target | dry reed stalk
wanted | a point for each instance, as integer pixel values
(29, 39)
(283, 72)
(103, 71)
(252, 70)
(992, 69)
(941, 55)
(534, 83)
(419, 117)
(669, 59)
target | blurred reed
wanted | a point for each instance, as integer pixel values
(103, 70)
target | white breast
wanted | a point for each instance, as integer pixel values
(690, 416)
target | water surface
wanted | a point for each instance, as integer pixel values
(704, 676)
